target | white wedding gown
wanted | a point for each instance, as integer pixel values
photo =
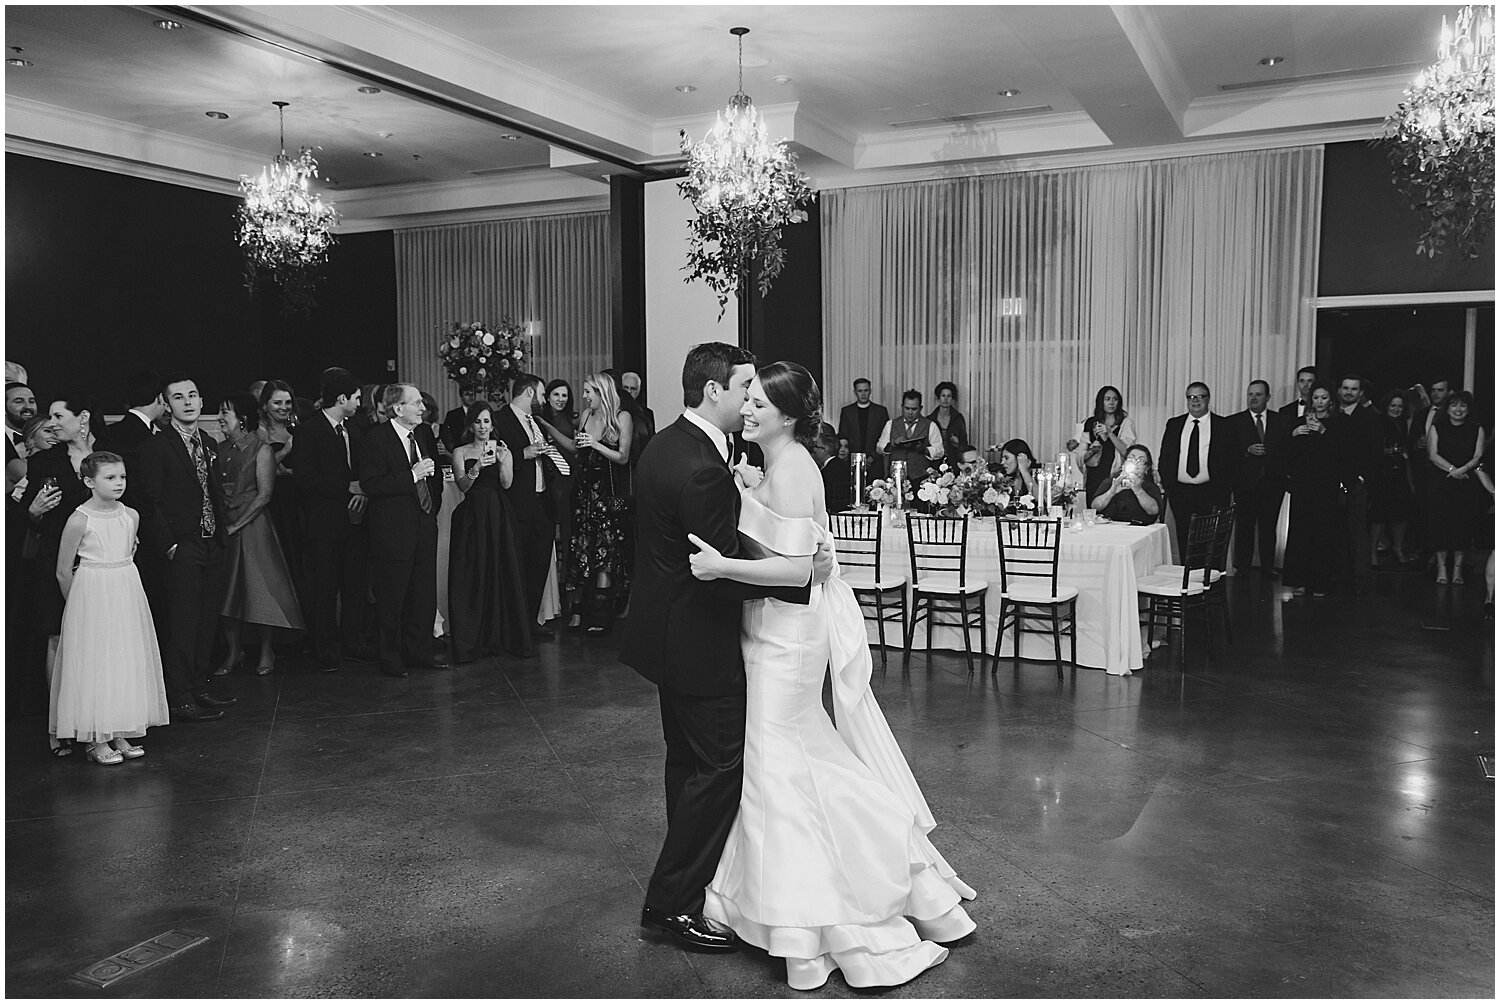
(828, 864)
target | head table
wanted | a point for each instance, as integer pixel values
(1102, 562)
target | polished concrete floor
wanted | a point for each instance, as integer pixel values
(1307, 817)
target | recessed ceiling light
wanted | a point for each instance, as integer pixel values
(217, 115)
(20, 62)
(509, 136)
(167, 25)
(1009, 92)
(374, 153)
(385, 134)
(369, 90)
(1272, 60)
(782, 79)
(686, 88)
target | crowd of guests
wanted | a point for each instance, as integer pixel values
(276, 521)
(1401, 473)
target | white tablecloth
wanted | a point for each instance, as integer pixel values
(1102, 562)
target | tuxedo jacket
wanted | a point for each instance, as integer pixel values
(684, 634)
(1249, 470)
(1290, 411)
(126, 436)
(1221, 453)
(525, 500)
(1361, 442)
(323, 475)
(849, 427)
(171, 501)
(837, 487)
(393, 513)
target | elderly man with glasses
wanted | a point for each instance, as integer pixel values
(1196, 462)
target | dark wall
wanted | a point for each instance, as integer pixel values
(107, 274)
(788, 322)
(1369, 233)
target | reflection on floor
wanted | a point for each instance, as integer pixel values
(1305, 817)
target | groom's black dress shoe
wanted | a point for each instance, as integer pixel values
(693, 930)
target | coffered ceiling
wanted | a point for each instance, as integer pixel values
(480, 108)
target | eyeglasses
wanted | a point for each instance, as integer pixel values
(1197, 397)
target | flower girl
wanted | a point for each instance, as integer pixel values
(107, 688)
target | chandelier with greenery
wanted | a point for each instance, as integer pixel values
(284, 229)
(1442, 137)
(744, 189)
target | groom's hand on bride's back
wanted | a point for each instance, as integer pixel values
(823, 563)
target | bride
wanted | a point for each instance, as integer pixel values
(828, 864)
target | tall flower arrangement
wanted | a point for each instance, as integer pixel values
(1441, 140)
(482, 357)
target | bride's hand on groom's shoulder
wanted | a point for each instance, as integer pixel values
(747, 476)
(707, 563)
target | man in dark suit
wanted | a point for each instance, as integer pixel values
(324, 461)
(1294, 410)
(143, 394)
(684, 635)
(1260, 438)
(631, 381)
(837, 488)
(20, 407)
(1361, 444)
(182, 520)
(860, 426)
(1196, 462)
(399, 473)
(457, 420)
(530, 501)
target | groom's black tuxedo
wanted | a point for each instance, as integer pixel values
(684, 636)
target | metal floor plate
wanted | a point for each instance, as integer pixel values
(132, 960)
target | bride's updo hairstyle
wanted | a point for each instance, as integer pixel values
(795, 394)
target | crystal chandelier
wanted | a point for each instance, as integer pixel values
(1442, 137)
(745, 188)
(285, 229)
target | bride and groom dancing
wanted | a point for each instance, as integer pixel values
(805, 840)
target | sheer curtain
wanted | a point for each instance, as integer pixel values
(1030, 291)
(553, 270)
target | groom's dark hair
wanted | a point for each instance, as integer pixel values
(710, 361)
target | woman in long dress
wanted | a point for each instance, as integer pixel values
(486, 590)
(1460, 489)
(258, 588)
(599, 565)
(828, 864)
(1315, 464)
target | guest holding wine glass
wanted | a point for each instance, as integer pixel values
(258, 590)
(599, 566)
(950, 422)
(1391, 486)
(54, 490)
(486, 588)
(1316, 466)
(1017, 470)
(1132, 495)
(278, 425)
(1099, 442)
(1455, 449)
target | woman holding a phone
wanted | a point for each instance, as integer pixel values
(1132, 496)
(1313, 536)
(486, 590)
(1099, 442)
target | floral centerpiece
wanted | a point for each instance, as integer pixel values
(883, 492)
(971, 491)
(483, 357)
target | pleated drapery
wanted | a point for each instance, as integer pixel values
(1030, 291)
(553, 270)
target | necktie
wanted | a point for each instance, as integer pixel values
(344, 442)
(1260, 429)
(206, 522)
(424, 494)
(1192, 452)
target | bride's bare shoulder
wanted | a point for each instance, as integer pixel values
(796, 487)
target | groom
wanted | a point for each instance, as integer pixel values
(684, 635)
